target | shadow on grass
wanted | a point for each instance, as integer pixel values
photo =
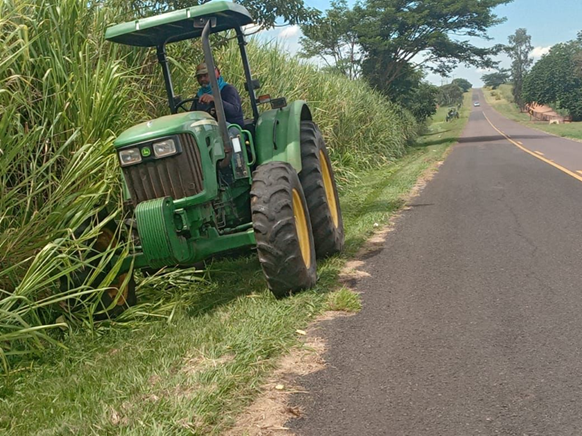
(439, 132)
(195, 293)
(232, 277)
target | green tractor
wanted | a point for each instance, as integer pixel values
(198, 187)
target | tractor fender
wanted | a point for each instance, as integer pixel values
(278, 134)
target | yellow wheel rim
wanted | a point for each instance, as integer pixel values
(328, 185)
(302, 229)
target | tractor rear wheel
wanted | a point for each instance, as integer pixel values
(282, 229)
(320, 190)
(121, 293)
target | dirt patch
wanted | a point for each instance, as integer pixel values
(269, 413)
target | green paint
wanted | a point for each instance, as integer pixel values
(163, 126)
(185, 230)
(278, 134)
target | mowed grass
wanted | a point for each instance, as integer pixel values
(192, 372)
(502, 102)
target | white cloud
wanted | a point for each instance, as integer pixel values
(289, 32)
(538, 52)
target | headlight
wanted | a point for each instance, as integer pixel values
(164, 148)
(129, 156)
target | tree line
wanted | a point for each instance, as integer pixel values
(393, 44)
(554, 80)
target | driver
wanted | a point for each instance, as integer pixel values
(228, 93)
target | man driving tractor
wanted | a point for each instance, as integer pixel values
(229, 94)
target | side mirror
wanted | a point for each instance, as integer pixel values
(255, 84)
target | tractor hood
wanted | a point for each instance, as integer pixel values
(164, 126)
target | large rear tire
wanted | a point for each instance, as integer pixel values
(282, 229)
(121, 293)
(320, 190)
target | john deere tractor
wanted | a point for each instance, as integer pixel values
(199, 186)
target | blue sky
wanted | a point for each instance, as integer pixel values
(547, 21)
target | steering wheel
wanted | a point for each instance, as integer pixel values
(188, 100)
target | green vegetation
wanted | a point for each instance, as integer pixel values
(201, 342)
(464, 84)
(450, 95)
(501, 101)
(64, 93)
(495, 79)
(382, 40)
(333, 37)
(519, 49)
(344, 300)
(555, 80)
(193, 369)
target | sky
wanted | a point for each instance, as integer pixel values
(547, 21)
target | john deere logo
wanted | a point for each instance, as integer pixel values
(146, 151)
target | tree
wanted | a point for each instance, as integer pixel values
(450, 95)
(518, 50)
(555, 79)
(495, 79)
(464, 84)
(332, 38)
(412, 93)
(422, 101)
(264, 12)
(393, 34)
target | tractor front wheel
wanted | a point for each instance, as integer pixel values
(282, 229)
(320, 189)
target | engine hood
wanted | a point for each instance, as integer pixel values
(164, 126)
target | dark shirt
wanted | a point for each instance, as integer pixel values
(231, 103)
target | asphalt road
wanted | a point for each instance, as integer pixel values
(472, 314)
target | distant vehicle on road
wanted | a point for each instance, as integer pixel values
(476, 103)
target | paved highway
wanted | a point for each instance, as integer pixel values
(472, 313)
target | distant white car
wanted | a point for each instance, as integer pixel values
(476, 104)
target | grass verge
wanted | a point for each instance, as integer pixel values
(501, 101)
(192, 372)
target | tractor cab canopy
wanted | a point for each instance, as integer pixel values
(194, 22)
(179, 25)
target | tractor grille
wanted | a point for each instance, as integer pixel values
(176, 176)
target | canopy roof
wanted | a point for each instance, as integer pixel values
(178, 25)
